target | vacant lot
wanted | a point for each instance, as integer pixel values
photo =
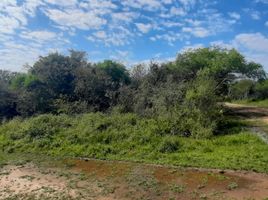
(104, 180)
(37, 174)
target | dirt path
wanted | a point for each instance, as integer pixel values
(103, 180)
(251, 112)
(256, 117)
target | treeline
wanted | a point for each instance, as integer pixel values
(183, 95)
(248, 89)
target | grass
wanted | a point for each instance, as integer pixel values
(257, 103)
(130, 138)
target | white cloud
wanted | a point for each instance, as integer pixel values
(234, 15)
(100, 35)
(207, 23)
(171, 37)
(222, 44)
(191, 47)
(123, 54)
(14, 16)
(39, 36)
(253, 41)
(64, 3)
(143, 4)
(262, 1)
(109, 23)
(188, 3)
(99, 5)
(194, 22)
(127, 17)
(8, 24)
(144, 28)
(266, 24)
(13, 55)
(76, 18)
(254, 46)
(85, 15)
(255, 15)
(177, 11)
(171, 24)
(197, 31)
(116, 37)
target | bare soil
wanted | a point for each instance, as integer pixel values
(106, 180)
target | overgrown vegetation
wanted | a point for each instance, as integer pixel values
(183, 93)
(162, 113)
(129, 137)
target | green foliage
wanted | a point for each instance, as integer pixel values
(182, 94)
(232, 186)
(250, 102)
(45, 126)
(199, 114)
(221, 64)
(63, 106)
(7, 97)
(262, 89)
(7, 103)
(56, 72)
(169, 145)
(23, 81)
(241, 89)
(129, 137)
(117, 72)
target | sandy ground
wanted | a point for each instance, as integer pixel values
(102, 180)
(250, 112)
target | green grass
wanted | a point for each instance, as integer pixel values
(128, 137)
(258, 103)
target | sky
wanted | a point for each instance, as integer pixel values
(130, 31)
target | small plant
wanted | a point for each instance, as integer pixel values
(204, 182)
(232, 186)
(178, 188)
(28, 177)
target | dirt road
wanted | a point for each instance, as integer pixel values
(255, 117)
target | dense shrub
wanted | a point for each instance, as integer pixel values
(169, 145)
(242, 89)
(129, 137)
(180, 97)
(261, 89)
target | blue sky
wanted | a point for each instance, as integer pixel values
(130, 31)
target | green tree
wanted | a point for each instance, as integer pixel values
(57, 72)
(7, 97)
(33, 95)
(222, 64)
(91, 86)
(241, 89)
(261, 90)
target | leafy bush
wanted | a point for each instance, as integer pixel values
(45, 126)
(199, 114)
(129, 137)
(169, 145)
(241, 90)
(262, 90)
